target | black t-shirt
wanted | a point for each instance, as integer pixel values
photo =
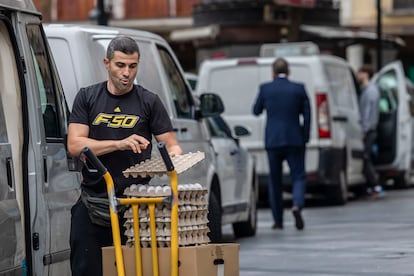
(111, 117)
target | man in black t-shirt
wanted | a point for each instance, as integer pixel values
(116, 120)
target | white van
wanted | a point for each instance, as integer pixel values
(37, 189)
(79, 52)
(334, 152)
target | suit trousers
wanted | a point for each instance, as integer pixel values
(369, 169)
(295, 156)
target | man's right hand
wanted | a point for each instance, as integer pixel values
(135, 142)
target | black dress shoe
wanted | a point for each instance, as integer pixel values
(299, 223)
(277, 226)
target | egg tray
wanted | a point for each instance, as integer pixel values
(182, 221)
(165, 231)
(167, 243)
(156, 165)
(163, 210)
(187, 238)
(187, 193)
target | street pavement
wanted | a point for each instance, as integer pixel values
(364, 237)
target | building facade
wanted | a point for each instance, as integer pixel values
(397, 20)
(199, 29)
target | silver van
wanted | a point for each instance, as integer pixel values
(334, 152)
(37, 189)
(79, 51)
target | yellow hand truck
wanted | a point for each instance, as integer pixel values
(114, 202)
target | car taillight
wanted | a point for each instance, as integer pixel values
(324, 127)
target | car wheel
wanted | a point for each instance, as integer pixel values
(214, 219)
(338, 194)
(248, 228)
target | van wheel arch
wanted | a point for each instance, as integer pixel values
(338, 193)
(402, 180)
(248, 228)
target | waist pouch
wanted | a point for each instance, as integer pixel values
(98, 209)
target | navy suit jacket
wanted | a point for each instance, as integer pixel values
(284, 102)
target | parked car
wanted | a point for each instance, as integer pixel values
(79, 51)
(334, 152)
(236, 168)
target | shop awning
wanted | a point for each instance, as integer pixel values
(343, 33)
(207, 32)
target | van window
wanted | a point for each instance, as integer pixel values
(177, 85)
(341, 84)
(44, 82)
(64, 61)
(240, 82)
(388, 87)
(148, 75)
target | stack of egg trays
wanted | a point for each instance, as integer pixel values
(192, 215)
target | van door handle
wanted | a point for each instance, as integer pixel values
(9, 169)
(184, 129)
(340, 118)
(45, 168)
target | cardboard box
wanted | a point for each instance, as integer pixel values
(204, 260)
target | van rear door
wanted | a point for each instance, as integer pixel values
(53, 189)
(395, 126)
(347, 131)
(11, 205)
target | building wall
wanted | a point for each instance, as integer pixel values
(64, 10)
(78, 10)
(397, 20)
(357, 13)
(158, 8)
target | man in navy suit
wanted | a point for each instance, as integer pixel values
(285, 101)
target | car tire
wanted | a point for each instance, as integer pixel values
(338, 194)
(248, 228)
(214, 219)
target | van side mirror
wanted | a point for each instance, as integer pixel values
(210, 105)
(241, 131)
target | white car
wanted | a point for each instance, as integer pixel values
(236, 168)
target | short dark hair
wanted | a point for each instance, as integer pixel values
(367, 68)
(280, 66)
(123, 44)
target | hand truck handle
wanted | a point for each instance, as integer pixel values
(95, 162)
(165, 156)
